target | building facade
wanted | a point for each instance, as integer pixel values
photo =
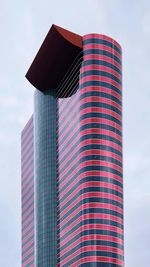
(78, 183)
(27, 183)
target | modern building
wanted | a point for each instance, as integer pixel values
(72, 184)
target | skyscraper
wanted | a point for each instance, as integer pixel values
(72, 187)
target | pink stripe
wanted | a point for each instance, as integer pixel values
(102, 57)
(28, 261)
(101, 142)
(31, 193)
(86, 195)
(101, 131)
(87, 217)
(68, 118)
(27, 188)
(74, 130)
(84, 153)
(28, 140)
(91, 195)
(92, 163)
(89, 131)
(31, 242)
(30, 121)
(107, 185)
(28, 203)
(28, 148)
(100, 89)
(91, 248)
(28, 170)
(28, 236)
(91, 205)
(62, 183)
(99, 99)
(91, 259)
(25, 222)
(28, 132)
(27, 179)
(102, 121)
(28, 212)
(102, 47)
(87, 142)
(26, 162)
(98, 248)
(101, 79)
(62, 103)
(31, 250)
(101, 36)
(67, 101)
(27, 229)
(101, 68)
(77, 200)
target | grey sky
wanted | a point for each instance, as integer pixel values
(23, 26)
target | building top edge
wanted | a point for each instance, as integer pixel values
(103, 37)
(58, 51)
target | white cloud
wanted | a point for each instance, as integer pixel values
(8, 101)
(146, 23)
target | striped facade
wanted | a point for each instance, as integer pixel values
(27, 184)
(68, 163)
(90, 188)
(78, 191)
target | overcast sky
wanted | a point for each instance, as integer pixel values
(23, 26)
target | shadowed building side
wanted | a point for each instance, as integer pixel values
(45, 179)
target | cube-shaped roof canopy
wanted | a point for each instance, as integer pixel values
(58, 51)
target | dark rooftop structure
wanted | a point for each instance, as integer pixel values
(54, 58)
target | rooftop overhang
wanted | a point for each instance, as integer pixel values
(58, 51)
